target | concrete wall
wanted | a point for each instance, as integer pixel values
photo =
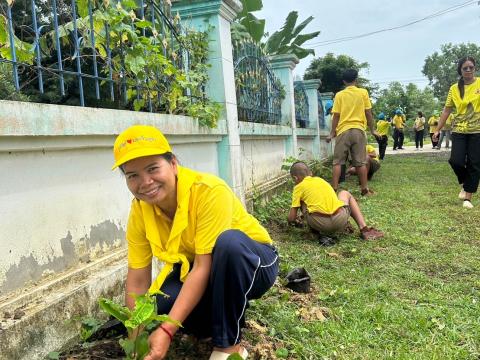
(60, 203)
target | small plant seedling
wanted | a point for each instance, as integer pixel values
(89, 325)
(139, 321)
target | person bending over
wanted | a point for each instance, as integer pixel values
(323, 210)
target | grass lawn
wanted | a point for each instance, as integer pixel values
(412, 295)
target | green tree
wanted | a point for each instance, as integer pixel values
(441, 67)
(330, 68)
(410, 99)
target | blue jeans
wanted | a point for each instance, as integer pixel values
(242, 269)
(447, 134)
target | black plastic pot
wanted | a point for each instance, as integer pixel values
(298, 280)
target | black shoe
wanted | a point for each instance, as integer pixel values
(326, 240)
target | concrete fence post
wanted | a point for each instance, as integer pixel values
(311, 88)
(282, 66)
(215, 16)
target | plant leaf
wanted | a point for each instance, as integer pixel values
(250, 6)
(119, 312)
(300, 39)
(254, 26)
(144, 308)
(302, 26)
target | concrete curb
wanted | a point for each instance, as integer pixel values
(42, 320)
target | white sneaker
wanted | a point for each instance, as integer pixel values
(462, 194)
(467, 204)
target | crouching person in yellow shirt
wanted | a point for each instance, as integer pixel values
(216, 256)
(322, 209)
(373, 163)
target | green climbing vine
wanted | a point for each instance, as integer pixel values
(147, 62)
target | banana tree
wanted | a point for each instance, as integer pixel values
(288, 40)
(248, 25)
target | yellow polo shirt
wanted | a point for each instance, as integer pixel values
(433, 122)
(371, 149)
(317, 194)
(351, 104)
(467, 118)
(398, 121)
(420, 123)
(383, 127)
(206, 206)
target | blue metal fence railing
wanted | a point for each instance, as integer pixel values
(259, 92)
(301, 105)
(65, 47)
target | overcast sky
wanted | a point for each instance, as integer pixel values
(396, 55)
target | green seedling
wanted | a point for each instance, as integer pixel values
(139, 322)
(88, 326)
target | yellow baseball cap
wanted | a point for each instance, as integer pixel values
(138, 141)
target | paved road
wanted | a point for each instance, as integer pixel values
(411, 150)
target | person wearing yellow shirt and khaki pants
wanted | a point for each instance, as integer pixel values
(383, 128)
(398, 123)
(465, 153)
(352, 111)
(216, 256)
(323, 210)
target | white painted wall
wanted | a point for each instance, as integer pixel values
(305, 147)
(60, 204)
(262, 159)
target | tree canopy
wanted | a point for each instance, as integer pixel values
(441, 67)
(410, 99)
(330, 68)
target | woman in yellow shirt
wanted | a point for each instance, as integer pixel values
(216, 256)
(465, 154)
(419, 126)
(433, 125)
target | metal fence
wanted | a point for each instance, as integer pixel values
(259, 92)
(64, 48)
(301, 105)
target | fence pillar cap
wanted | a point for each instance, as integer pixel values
(284, 61)
(228, 9)
(311, 84)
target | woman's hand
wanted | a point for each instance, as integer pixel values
(436, 135)
(159, 343)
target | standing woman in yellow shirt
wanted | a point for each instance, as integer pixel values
(465, 154)
(419, 126)
(433, 123)
(216, 256)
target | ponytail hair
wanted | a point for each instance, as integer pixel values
(461, 81)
